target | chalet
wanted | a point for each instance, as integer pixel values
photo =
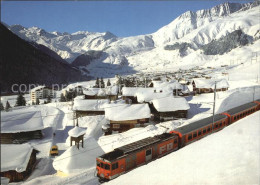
(20, 126)
(41, 92)
(128, 93)
(170, 108)
(110, 93)
(89, 107)
(173, 86)
(207, 85)
(125, 117)
(17, 161)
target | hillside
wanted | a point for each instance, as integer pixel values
(25, 63)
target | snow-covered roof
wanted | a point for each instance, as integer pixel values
(86, 121)
(37, 88)
(76, 132)
(169, 104)
(149, 96)
(132, 91)
(15, 157)
(111, 90)
(21, 121)
(210, 83)
(89, 104)
(167, 85)
(128, 112)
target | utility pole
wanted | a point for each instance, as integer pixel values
(254, 94)
(214, 103)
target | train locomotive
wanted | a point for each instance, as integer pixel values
(123, 159)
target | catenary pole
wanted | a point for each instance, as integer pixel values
(214, 103)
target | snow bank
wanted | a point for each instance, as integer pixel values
(128, 112)
(15, 157)
(21, 121)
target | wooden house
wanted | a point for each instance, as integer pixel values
(208, 85)
(89, 107)
(20, 126)
(77, 134)
(170, 108)
(17, 161)
(125, 117)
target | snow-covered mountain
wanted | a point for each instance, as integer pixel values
(187, 36)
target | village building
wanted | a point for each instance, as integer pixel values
(41, 92)
(201, 85)
(125, 117)
(170, 108)
(77, 135)
(89, 107)
(172, 86)
(20, 126)
(17, 161)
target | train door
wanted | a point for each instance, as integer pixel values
(148, 154)
(130, 162)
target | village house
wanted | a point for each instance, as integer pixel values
(125, 116)
(17, 161)
(41, 92)
(20, 126)
(170, 108)
(89, 107)
(172, 86)
(201, 85)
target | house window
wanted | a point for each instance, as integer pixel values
(114, 166)
(116, 125)
(189, 136)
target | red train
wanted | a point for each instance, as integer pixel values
(128, 157)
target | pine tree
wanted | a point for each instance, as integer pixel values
(102, 83)
(48, 99)
(37, 101)
(1, 106)
(62, 98)
(108, 83)
(97, 83)
(20, 101)
(7, 106)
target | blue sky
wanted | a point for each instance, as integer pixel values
(122, 18)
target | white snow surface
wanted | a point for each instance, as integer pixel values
(169, 104)
(21, 121)
(210, 83)
(128, 112)
(89, 104)
(230, 156)
(77, 131)
(15, 157)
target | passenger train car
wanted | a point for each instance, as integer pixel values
(128, 157)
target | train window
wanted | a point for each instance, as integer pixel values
(102, 165)
(107, 166)
(208, 129)
(114, 166)
(204, 131)
(216, 125)
(199, 133)
(98, 163)
(235, 118)
(189, 136)
(240, 115)
(148, 152)
(253, 109)
(220, 125)
(175, 141)
(194, 134)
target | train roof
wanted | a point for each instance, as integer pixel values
(126, 149)
(199, 124)
(241, 108)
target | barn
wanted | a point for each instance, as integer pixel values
(20, 126)
(170, 108)
(125, 117)
(17, 161)
(201, 85)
